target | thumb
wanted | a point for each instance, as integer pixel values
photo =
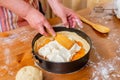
(65, 22)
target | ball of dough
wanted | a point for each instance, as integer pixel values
(29, 73)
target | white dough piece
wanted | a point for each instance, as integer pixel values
(29, 73)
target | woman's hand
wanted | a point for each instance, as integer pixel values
(72, 18)
(39, 22)
(69, 18)
(34, 17)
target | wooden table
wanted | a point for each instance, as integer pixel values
(104, 63)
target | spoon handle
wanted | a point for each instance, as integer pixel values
(97, 27)
(86, 21)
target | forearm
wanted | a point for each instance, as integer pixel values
(20, 7)
(54, 4)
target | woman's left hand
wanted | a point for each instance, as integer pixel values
(72, 18)
(69, 18)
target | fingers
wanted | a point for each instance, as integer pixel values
(73, 20)
(65, 21)
(45, 29)
(74, 23)
(49, 29)
(42, 31)
(39, 22)
(79, 22)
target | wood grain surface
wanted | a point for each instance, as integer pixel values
(104, 62)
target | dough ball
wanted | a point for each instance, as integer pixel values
(29, 73)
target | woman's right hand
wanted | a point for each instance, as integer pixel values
(39, 22)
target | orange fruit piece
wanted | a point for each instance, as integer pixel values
(46, 41)
(64, 41)
(79, 43)
(80, 53)
(41, 43)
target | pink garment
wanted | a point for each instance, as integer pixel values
(10, 21)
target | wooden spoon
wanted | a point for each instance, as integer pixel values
(97, 27)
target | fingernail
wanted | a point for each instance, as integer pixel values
(54, 34)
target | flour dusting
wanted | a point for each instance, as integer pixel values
(106, 70)
(116, 38)
(8, 50)
(7, 56)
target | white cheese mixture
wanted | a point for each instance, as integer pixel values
(55, 52)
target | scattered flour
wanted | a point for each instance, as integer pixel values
(106, 70)
(115, 37)
(8, 61)
(9, 40)
(7, 56)
(20, 36)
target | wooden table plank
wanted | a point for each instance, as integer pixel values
(104, 63)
